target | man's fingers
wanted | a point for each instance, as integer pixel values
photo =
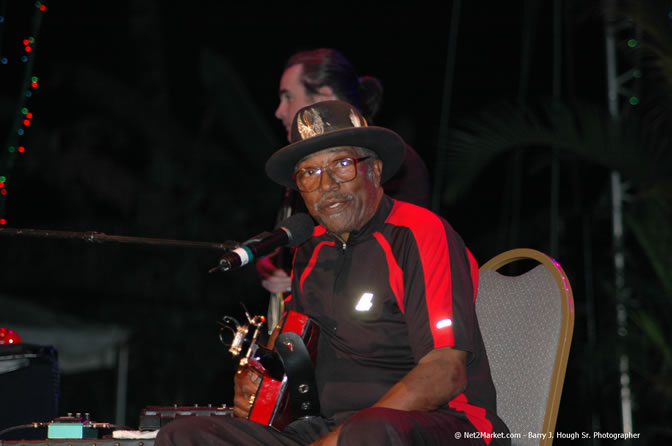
(246, 385)
(242, 405)
(255, 378)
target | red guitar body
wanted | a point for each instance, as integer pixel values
(272, 405)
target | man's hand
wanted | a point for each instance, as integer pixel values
(245, 384)
(266, 266)
(278, 282)
(273, 279)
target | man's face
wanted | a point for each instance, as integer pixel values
(343, 207)
(293, 96)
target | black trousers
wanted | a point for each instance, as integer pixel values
(373, 426)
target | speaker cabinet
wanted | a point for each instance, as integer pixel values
(29, 388)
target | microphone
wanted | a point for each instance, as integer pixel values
(291, 232)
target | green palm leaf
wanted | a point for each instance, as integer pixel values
(585, 131)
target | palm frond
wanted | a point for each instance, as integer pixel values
(651, 223)
(583, 130)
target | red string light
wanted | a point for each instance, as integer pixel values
(28, 48)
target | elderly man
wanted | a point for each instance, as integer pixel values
(400, 359)
(324, 74)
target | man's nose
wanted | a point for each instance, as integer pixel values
(327, 181)
(280, 111)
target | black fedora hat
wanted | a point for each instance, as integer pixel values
(328, 124)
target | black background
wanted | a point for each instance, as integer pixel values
(153, 119)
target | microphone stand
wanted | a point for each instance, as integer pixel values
(99, 237)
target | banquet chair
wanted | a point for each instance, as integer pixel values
(526, 321)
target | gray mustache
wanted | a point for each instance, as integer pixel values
(332, 196)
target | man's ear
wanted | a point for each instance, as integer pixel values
(326, 93)
(378, 169)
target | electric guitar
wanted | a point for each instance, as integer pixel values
(288, 389)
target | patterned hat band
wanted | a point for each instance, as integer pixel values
(329, 124)
(316, 120)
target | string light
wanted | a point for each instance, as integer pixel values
(30, 83)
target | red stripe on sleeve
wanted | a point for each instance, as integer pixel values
(430, 236)
(396, 275)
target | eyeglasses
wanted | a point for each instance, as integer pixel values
(341, 170)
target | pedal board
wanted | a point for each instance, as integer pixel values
(154, 417)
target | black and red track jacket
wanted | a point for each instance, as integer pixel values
(403, 285)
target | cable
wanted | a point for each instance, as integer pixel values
(34, 425)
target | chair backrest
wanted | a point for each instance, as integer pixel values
(527, 323)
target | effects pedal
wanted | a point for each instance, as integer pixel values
(73, 427)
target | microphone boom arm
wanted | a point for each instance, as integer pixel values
(295, 230)
(99, 237)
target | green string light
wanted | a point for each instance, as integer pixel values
(634, 100)
(13, 144)
(632, 43)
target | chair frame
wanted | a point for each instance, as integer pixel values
(566, 327)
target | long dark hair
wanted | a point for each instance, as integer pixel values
(329, 67)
